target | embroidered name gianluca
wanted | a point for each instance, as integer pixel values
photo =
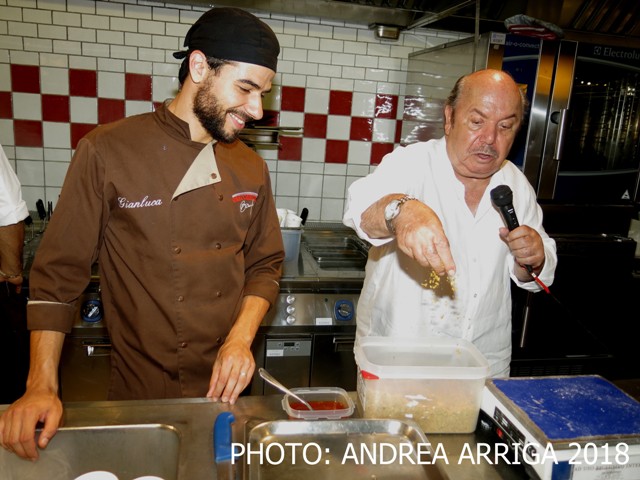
(144, 203)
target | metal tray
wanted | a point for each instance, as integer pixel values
(343, 449)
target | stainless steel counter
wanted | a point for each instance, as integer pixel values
(193, 420)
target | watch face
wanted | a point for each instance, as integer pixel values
(391, 210)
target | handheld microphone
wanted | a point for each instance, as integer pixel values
(502, 199)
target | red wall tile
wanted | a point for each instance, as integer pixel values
(361, 129)
(315, 125)
(25, 78)
(337, 151)
(379, 150)
(340, 102)
(83, 83)
(6, 107)
(386, 106)
(137, 86)
(79, 130)
(55, 108)
(110, 110)
(398, 137)
(292, 99)
(290, 148)
(28, 133)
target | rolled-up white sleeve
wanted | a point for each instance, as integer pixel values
(393, 175)
(13, 208)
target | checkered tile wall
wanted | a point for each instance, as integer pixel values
(39, 117)
(68, 66)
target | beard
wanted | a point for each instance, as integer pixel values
(213, 116)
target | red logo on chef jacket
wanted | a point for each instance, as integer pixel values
(246, 200)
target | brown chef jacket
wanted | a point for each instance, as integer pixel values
(180, 235)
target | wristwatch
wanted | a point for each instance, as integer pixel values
(392, 210)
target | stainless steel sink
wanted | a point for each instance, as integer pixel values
(336, 250)
(127, 451)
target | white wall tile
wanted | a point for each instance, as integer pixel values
(81, 6)
(316, 168)
(111, 85)
(333, 186)
(54, 60)
(316, 101)
(335, 169)
(164, 87)
(135, 107)
(38, 45)
(56, 135)
(313, 149)
(384, 130)
(311, 185)
(338, 127)
(57, 154)
(83, 110)
(363, 104)
(332, 209)
(30, 172)
(111, 65)
(291, 119)
(6, 132)
(288, 184)
(5, 77)
(55, 172)
(322, 31)
(313, 204)
(29, 153)
(52, 31)
(27, 106)
(359, 153)
(95, 50)
(67, 48)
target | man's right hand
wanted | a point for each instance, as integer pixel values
(18, 423)
(420, 235)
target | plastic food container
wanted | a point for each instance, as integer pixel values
(327, 402)
(291, 240)
(435, 382)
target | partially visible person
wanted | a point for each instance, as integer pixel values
(181, 218)
(442, 258)
(14, 337)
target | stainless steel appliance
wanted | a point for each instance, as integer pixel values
(581, 140)
(584, 329)
(306, 339)
(85, 362)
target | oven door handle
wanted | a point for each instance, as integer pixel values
(97, 349)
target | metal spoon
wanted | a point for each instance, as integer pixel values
(269, 378)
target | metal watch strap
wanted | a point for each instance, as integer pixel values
(401, 202)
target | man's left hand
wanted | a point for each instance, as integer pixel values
(232, 372)
(527, 247)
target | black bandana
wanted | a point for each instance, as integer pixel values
(233, 34)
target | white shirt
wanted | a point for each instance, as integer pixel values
(12, 208)
(476, 304)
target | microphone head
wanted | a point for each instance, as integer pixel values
(501, 196)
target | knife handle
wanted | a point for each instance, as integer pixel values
(222, 436)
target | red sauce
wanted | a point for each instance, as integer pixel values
(319, 405)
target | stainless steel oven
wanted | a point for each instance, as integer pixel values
(85, 363)
(307, 340)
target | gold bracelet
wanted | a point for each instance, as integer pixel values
(9, 277)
